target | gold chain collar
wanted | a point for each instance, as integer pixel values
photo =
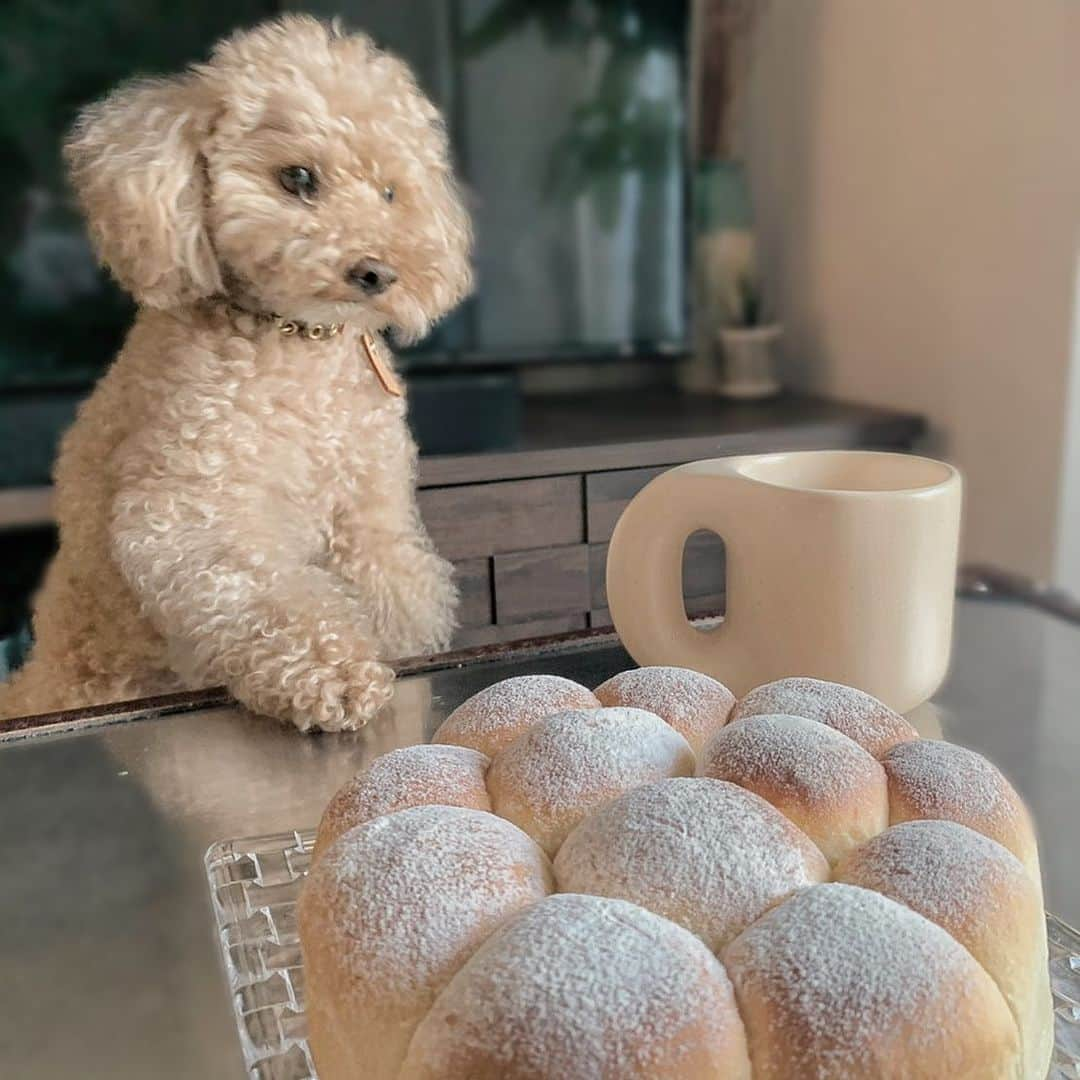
(309, 331)
(291, 327)
(321, 332)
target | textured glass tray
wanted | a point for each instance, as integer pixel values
(254, 884)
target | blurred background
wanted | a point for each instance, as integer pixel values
(761, 206)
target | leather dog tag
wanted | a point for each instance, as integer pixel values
(383, 371)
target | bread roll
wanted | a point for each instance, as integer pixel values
(934, 779)
(566, 765)
(704, 853)
(872, 724)
(821, 780)
(841, 983)
(390, 912)
(580, 988)
(433, 951)
(695, 705)
(413, 776)
(971, 886)
(497, 715)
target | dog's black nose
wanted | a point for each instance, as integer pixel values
(371, 276)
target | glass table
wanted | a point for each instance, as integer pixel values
(112, 967)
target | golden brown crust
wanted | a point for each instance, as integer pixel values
(390, 913)
(493, 718)
(695, 705)
(925, 960)
(570, 763)
(982, 895)
(935, 779)
(840, 983)
(582, 987)
(817, 777)
(413, 776)
(704, 853)
(871, 723)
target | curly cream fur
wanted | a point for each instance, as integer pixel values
(236, 506)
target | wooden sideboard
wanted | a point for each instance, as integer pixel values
(527, 527)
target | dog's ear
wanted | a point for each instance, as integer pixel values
(135, 160)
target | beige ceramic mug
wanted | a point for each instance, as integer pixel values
(841, 565)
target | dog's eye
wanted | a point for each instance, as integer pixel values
(388, 193)
(299, 181)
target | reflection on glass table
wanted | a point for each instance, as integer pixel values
(107, 922)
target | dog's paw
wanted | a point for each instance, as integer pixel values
(341, 697)
(348, 699)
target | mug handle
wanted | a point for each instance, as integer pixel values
(644, 567)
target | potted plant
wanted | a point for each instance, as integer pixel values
(734, 345)
(747, 344)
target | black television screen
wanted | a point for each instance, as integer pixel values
(567, 118)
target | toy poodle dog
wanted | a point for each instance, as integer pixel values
(236, 499)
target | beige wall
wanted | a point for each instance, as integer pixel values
(1067, 570)
(916, 170)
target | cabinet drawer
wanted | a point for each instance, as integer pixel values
(703, 572)
(473, 579)
(606, 496)
(483, 519)
(534, 584)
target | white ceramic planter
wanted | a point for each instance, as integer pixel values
(748, 361)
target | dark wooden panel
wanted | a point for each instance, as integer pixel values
(606, 496)
(598, 575)
(489, 635)
(703, 569)
(473, 578)
(482, 519)
(532, 584)
(625, 429)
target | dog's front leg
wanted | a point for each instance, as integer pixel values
(241, 604)
(384, 552)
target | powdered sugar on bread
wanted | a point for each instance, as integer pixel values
(704, 853)
(695, 705)
(873, 725)
(927, 960)
(941, 869)
(412, 776)
(982, 895)
(580, 986)
(572, 762)
(393, 909)
(844, 976)
(822, 780)
(498, 714)
(935, 779)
